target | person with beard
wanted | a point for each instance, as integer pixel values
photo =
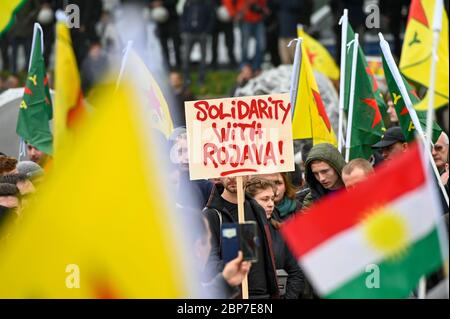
(37, 156)
(222, 208)
(192, 194)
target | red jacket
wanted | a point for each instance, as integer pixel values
(243, 7)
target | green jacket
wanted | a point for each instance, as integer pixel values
(324, 152)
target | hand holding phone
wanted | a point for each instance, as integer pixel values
(237, 237)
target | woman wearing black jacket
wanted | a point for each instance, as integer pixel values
(264, 191)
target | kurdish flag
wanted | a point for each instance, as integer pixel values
(310, 119)
(371, 244)
(321, 60)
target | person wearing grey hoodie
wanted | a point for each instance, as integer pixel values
(323, 172)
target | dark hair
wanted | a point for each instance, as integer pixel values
(7, 164)
(306, 149)
(257, 184)
(8, 190)
(291, 190)
(13, 178)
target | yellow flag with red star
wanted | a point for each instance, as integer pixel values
(319, 57)
(310, 119)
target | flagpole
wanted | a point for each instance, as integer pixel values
(124, 62)
(426, 150)
(295, 72)
(412, 112)
(422, 290)
(344, 23)
(437, 27)
(351, 102)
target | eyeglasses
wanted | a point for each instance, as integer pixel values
(438, 148)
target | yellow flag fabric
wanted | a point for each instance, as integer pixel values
(100, 226)
(69, 106)
(310, 119)
(321, 60)
(415, 62)
(149, 92)
(7, 10)
(439, 101)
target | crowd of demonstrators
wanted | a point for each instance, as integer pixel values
(270, 199)
(18, 180)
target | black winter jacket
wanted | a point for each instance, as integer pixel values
(215, 263)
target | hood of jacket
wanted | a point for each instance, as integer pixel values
(327, 153)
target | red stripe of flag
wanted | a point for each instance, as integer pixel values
(342, 211)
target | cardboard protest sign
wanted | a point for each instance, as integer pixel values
(239, 136)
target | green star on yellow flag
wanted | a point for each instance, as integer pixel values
(415, 62)
(36, 106)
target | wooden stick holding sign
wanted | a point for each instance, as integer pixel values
(240, 136)
(241, 218)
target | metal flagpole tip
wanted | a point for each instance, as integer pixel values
(341, 20)
(294, 40)
(61, 16)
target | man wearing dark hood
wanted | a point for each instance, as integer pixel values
(323, 172)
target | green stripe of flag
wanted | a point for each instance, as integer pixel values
(398, 276)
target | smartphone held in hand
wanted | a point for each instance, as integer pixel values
(237, 237)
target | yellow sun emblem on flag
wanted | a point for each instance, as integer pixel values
(386, 231)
